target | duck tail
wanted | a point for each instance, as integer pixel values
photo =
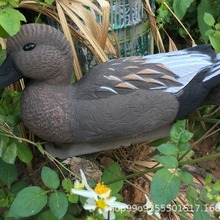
(212, 78)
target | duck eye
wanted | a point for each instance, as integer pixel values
(29, 46)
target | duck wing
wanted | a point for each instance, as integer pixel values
(169, 72)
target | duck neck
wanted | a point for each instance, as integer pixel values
(62, 77)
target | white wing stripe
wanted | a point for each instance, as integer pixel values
(108, 89)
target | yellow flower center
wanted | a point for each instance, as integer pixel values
(102, 189)
(101, 204)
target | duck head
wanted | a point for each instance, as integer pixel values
(39, 52)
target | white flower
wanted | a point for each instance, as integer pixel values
(100, 190)
(217, 207)
(104, 206)
(150, 208)
(78, 185)
(99, 199)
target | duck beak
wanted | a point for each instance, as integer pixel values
(9, 73)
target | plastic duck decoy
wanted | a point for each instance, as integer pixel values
(118, 102)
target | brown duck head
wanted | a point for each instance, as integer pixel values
(44, 48)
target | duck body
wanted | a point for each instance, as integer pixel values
(119, 99)
(66, 119)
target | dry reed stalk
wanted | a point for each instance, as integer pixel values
(153, 26)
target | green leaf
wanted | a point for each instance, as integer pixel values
(158, 142)
(216, 186)
(185, 136)
(176, 131)
(209, 19)
(3, 144)
(167, 161)
(217, 35)
(111, 172)
(58, 204)
(50, 178)
(11, 114)
(209, 32)
(3, 2)
(187, 156)
(24, 153)
(8, 173)
(119, 197)
(12, 120)
(217, 26)
(191, 195)
(122, 214)
(28, 202)
(67, 184)
(215, 43)
(204, 195)
(50, 2)
(163, 14)
(204, 6)
(183, 147)
(47, 215)
(2, 55)
(17, 187)
(168, 149)
(164, 187)
(10, 20)
(180, 7)
(200, 214)
(179, 134)
(208, 179)
(10, 153)
(6, 199)
(14, 3)
(73, 198)
(185, 177)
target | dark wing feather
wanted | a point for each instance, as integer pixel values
(168, 72)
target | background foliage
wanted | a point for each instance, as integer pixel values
(198, 17)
